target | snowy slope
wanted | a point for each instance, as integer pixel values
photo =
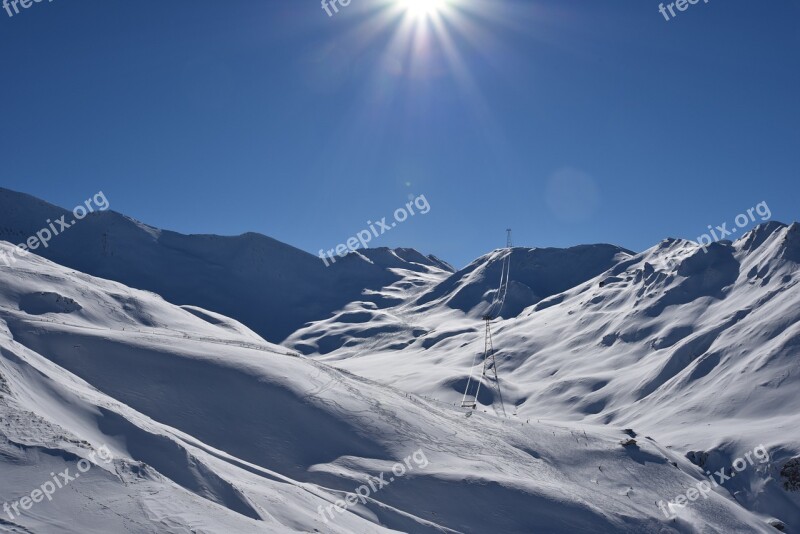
(538, 273)
(393, 314)
(697, 350)
(271, 287)
(215, 430)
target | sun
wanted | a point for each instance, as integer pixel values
(422, 8)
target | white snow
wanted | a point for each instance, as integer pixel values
(696, 350)
(215, 429)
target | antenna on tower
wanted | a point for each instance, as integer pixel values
(508, 238)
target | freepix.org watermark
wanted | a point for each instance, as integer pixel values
(15, 4)
(704, 488)
(42, 237)
(374, 484)
(365, 236)
(59, 481)
(331, 7)
(741, 220)
(681, 5)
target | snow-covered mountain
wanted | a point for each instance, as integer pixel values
(694, 352)
(213, 429)
(699, 350)
(272, 287)
(538, 273)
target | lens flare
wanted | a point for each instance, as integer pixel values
(422, 8)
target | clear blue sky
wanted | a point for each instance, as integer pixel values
(571, 122)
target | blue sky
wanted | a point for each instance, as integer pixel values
(571, 122)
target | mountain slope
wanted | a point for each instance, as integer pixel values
(271, 287)
(215, 430)
(538, 273)
(698, 350)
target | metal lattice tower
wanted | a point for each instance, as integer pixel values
(489, 360)
(490, 363)
(489, 371)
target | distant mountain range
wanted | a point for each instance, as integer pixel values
(273, 287)
(270, 286)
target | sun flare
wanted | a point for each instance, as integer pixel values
(422, 8)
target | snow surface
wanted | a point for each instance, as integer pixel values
(215, 429)
(696, 350)
(270, 286)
